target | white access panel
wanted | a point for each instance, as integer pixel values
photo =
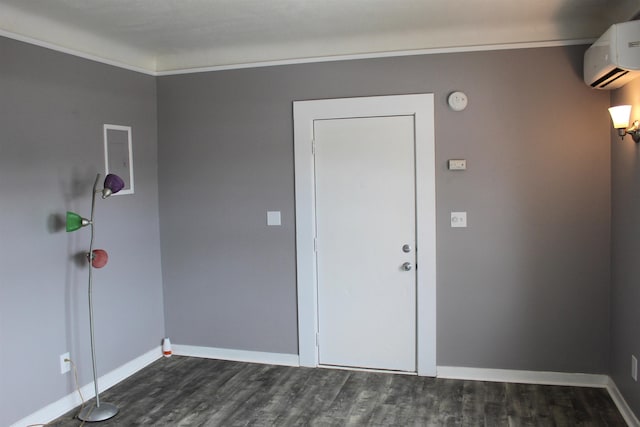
(365, 214)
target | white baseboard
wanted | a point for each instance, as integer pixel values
(237, 355)
(70, 401)
(526, 377)
(622, 405)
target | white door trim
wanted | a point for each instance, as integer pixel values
(421, 106)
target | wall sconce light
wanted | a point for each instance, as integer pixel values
(620, 116)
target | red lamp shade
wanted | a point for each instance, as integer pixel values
(99, 258)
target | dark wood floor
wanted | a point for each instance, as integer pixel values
(184, 391)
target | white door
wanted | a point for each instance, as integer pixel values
(366, 235)
(377, 110)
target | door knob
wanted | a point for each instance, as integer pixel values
(406, 249)
(407, 266)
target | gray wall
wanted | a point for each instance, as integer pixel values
(526, 286)
(625, 251)
(52, 108)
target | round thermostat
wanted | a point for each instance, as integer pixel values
(458, 101)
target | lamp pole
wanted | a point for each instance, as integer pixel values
(106, 410)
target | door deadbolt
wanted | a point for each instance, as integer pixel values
(406, 249)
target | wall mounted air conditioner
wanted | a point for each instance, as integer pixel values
(614, 59)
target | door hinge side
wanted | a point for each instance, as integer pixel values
(317, 339)
(315, 244)
(313, 147)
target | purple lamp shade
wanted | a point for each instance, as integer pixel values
(112, 184)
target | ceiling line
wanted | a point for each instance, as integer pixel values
(388, 54)
(349, 57)
(74, 52)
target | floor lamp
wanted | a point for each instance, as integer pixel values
(97, 259)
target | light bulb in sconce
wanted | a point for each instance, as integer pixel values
(620, 116)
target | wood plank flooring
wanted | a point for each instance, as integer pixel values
(184, 391)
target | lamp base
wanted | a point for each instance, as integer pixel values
(94, 413)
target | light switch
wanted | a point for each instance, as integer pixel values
(458, 219)
(273, 218)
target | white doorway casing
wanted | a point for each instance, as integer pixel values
(421, 107)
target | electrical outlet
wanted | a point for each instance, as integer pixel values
(458, 219)
(634, 368)
(65, 365)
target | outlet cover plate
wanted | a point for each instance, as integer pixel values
(65, 366)
(458, 219)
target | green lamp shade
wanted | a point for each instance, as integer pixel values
(75, 221)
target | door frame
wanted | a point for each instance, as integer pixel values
(421, 106)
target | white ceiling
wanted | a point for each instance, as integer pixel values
(167, 36)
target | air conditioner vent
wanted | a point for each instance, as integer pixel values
(609, 78)
(613, 60)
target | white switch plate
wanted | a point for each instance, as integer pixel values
(458, 219)
(634, 368)
(457, 165)
(273, 218)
